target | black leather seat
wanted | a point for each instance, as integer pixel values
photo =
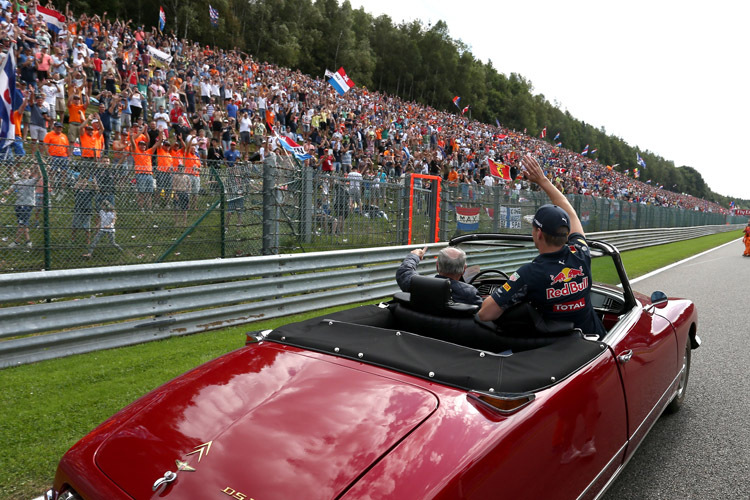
(428, 310)
(433, 296)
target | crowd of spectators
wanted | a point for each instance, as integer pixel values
(167, 108)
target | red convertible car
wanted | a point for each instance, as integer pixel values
(410, 399)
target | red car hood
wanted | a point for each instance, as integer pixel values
(263, 422)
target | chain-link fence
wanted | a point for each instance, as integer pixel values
(71, 213)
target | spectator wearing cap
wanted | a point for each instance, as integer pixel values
(92, 140)
(77, 104)
(232, 154)
(558, 281)
(38, 120)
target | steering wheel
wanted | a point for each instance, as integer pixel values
(487, 271)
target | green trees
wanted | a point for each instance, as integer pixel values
(413, 61)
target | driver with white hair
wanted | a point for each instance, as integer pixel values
(451, 264)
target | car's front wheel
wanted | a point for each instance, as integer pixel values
(679, 398)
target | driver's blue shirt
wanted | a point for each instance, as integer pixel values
(558, 285)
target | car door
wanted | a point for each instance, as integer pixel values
(646, 353)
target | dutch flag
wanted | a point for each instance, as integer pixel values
(55, 20)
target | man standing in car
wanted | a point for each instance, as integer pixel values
(451, 264)
(558, 281)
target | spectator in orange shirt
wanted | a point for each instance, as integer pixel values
(57, 148)
(165, 168)
(92, 142)
(77, 105)
(144, 178)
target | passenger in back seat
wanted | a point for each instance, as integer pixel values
(451, 264)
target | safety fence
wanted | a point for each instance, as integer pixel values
(57, 313)
(257, 208)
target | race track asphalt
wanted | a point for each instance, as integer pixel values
(703, 451)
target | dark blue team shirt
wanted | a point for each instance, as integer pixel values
(558, 284)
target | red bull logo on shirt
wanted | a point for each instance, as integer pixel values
(568, 289)
(565, 275)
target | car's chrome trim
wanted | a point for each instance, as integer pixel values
(623, 326)
(627, 458)
(598, 476)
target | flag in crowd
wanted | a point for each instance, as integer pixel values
(639, 160)
(627, 171)
(557, 136)
(594, 150)
(636, 173)
(340, 82)
(55, 21)
(456, 100)
(498, 122)
(213, 15)
(162, 19)
(407, 153)
(467, 218)
(463, 111)
(558, 144)
(731, 204)
(544, 133)
(21, 19)
(291, 146)
(498, 169)
(585, 150)
(7, 91)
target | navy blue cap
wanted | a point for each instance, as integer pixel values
(550, 218)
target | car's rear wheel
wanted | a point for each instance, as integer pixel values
(679, 398)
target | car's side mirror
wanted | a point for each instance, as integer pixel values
(658, 297)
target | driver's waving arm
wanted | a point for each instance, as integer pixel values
(558, 281)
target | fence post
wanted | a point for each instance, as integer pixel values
(434, 209)
(403, 212)
(446, 201)
(270, 207)
(222, 213)
(307, 206)
(496, 191)
(45, 212)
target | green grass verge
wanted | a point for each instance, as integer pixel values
(644, 260)
(48, 406)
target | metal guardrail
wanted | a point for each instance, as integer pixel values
(59, 313)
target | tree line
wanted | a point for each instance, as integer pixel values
(413, 61)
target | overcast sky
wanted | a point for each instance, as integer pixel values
(669, 77)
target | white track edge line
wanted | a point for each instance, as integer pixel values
(670, 266)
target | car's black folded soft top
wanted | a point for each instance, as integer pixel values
(367, 334)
